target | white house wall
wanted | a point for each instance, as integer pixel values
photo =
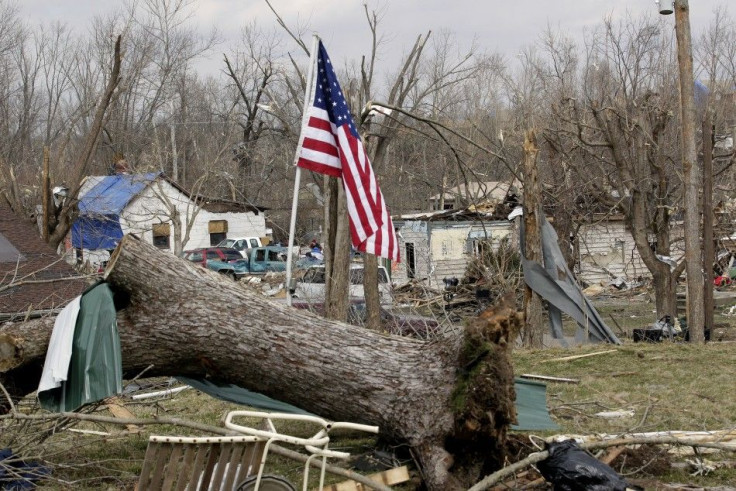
(443, 250)
(244, 224)
(148, 208)
(412, 232)
(607, 251)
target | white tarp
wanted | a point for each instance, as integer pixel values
(59, 353)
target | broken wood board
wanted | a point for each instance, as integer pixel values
(119, 411)
(576, 357)
(397, 475)
(547, 378)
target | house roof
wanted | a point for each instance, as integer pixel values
(493, 190)
(25, 256)
(486, 210)
(109, 195)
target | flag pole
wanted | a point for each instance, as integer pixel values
(308, 95)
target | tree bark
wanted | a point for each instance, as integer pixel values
(336, 252)
(533, 328)
(451, 400)
(691, 174)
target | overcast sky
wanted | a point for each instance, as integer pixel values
(503, 26)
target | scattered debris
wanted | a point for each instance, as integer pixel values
(576, 357)
(621, 413)
(571, 467)
(547, 378)
(389, 477)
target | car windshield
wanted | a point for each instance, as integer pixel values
(226, 243)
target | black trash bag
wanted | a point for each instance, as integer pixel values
(571, 468)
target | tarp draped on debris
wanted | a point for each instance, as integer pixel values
(98, 224)
(239, 395)
(531, 407)
(95, 369)
(556, 284)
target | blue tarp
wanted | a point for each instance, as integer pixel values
(98, 225)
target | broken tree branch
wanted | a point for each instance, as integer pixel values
(535, 457)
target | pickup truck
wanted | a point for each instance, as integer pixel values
(242, 244)
(259, 260)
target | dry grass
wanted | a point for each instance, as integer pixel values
(669, 386)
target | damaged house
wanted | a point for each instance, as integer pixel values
(158, 210)
(439, 244)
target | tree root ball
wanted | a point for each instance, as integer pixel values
(484, 397)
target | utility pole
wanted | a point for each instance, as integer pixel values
(691, 172)
(709, 254)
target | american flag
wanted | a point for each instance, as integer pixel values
(330, 144)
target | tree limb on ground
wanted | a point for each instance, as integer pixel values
(535, 457)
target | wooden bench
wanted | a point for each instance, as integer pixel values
(199, 463)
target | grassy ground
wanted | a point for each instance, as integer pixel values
(668, 386)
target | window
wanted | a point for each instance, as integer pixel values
(216, 238)
(213, 255)
(195, 257)
(411, 264)
(218, 231)
(232, 255)
(161, 235)
(261, 255)
(254, 242)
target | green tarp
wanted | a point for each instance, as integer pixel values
(531, 406)
(96, 369)
(233, 393)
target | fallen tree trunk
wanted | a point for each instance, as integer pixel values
(450, 399)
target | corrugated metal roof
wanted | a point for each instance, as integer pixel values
(111, 194)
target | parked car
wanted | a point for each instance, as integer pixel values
(221, 259)
(311, 288)
(228, 261)
(241, 244)
(264, 259)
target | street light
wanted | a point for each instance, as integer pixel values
(663, 8)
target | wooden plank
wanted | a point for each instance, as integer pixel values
(200, 459)
(114, 405)
(225, 452)
(187, 473)
(213, 455)
(250, 461)
(577, 357)
(389, 477)
(148, 461)
(547, 378)
(162, 458)
(172, 467)
(233, 462)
